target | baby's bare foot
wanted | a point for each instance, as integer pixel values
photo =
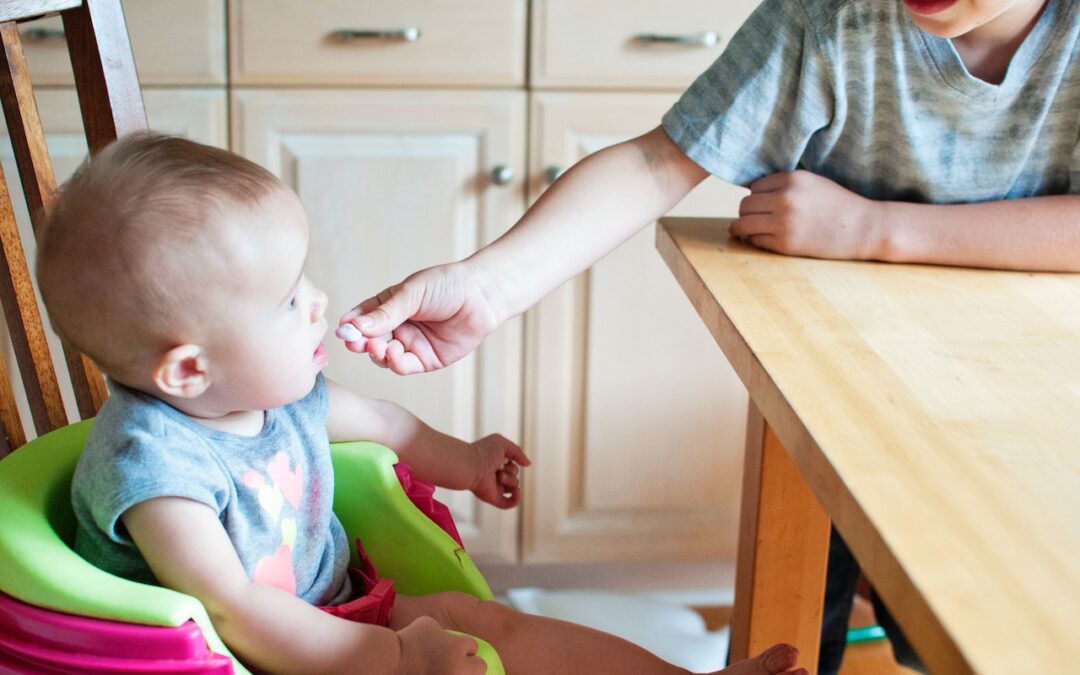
(776, 660)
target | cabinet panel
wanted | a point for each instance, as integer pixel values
(635, 420)
(174, 42)
(472, 42)
(393, 181)
(195, 113)
(618, 44)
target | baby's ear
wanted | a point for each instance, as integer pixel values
(182, 372)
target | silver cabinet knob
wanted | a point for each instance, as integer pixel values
(502, 174)
(552, 173)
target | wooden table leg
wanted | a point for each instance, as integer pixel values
(783, 551)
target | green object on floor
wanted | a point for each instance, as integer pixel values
(865, 634)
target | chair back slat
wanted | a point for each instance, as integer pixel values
(111, 103)
(104, 67)
(24, 324)
(86, 382)
(24, 124)
(12, 435)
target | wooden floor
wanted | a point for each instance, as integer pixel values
(867, 658)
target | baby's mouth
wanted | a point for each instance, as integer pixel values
(320, 354)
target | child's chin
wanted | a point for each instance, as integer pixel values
(283, 397)
(301, 392)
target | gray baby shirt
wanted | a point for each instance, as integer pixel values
(273, 492)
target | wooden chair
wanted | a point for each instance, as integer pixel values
(111, 104)
(58, 613)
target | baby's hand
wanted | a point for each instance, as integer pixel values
(497, 462)
(427, 649)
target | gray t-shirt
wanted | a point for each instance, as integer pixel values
(854, 91)
(273, 492)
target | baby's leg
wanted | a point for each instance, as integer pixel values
(533, 644)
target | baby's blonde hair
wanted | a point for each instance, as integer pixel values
(128, 245)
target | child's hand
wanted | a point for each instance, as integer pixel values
(497, 462)
(802, 213)
(427, 649)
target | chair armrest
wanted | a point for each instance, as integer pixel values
(404, 544)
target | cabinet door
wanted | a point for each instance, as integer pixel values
(394, 181)
(635, 421)
(198, 114)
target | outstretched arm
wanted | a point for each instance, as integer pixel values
(599, 203)
(440, 314)
(800, 213)
(488, 467)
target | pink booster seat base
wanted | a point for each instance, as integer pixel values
(36, 640)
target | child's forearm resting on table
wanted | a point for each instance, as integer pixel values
(190, 552)
(599, 203)
(1036, 234)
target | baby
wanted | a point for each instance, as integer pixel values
(178, 268)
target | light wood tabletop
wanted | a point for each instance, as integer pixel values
(935, 414)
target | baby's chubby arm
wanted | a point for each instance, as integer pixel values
(488, 467)
(801, 213)
(189, 551)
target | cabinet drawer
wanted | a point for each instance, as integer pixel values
(621, 44)
(463, 42)
(174, 42)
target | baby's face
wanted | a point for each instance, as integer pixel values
(953, 18)
(270, 348)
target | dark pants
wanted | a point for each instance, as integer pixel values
(841, 579)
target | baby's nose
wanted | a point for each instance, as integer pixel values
(318, 308)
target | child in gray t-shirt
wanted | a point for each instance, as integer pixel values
(928, 131)
(178, 268)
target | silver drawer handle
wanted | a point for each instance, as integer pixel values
(42, 34)
(407, 34)
(709, 38)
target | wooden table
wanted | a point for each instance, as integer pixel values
(934, 414)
